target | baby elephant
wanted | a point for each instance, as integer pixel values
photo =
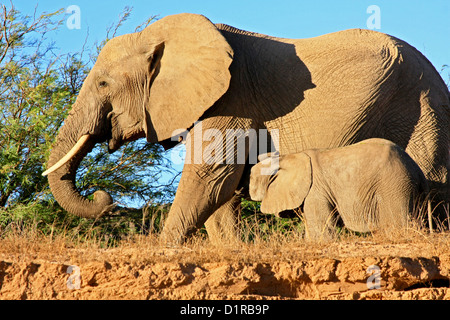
(372, 185)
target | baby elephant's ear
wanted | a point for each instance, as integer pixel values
(268, 155)
(261, 174)
(289, 187)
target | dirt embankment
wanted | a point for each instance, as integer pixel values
(400, 278)
(347, 271)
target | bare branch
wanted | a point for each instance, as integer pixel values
(4, 33)
(146, 23)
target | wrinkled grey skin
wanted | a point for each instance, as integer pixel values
(372, 185)
(324, 92)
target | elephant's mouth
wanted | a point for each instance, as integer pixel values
(114, 137)
(114, 145)
(119, 134)
(118, 137)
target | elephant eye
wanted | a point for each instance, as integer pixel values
(102, 84)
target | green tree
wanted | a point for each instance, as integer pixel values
(37, 89)
(32, 103)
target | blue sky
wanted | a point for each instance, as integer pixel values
(424, 24)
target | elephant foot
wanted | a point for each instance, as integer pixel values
(174, 237)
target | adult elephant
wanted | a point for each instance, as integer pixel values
(322, 92)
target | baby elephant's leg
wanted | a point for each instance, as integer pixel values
(319, 219)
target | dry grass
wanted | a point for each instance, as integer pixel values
(260, 246)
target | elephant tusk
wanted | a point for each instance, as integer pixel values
(76, 148)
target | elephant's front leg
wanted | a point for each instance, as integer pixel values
(319, 218)
(222, 226)
(213, 168)
(199, 195)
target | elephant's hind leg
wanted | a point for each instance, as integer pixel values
(429, 145)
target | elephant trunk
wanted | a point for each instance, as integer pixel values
(62, 172)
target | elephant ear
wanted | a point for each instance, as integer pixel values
(289, 187)
(188, 70)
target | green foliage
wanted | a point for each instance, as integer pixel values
(49, 220)
(37, 90)
(33, 104)
(257, 225)
(130, 175)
